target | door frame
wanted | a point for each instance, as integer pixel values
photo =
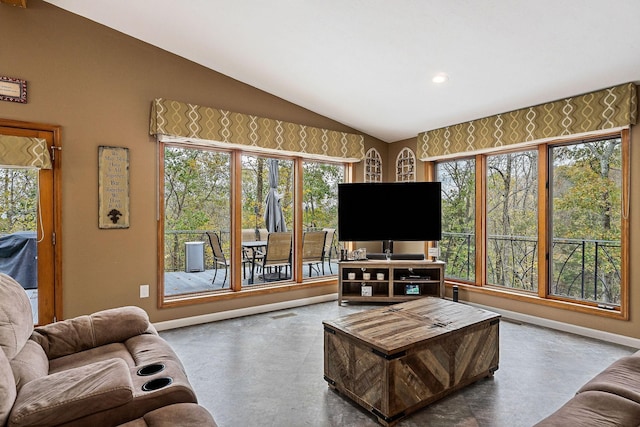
(50, 205)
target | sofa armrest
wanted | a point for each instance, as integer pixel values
(66, 396)
(85, 332)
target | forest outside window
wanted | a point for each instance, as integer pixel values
(564, 245)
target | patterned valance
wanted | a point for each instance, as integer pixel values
(20, 151)
(178, 119)
(610, 108)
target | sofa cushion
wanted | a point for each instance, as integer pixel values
(179, 414)
(66, 396)
(29, 364)
(621, 378)
(7, 388)
(16, 320)
(85, 332)
(81, 358)
(595, 409)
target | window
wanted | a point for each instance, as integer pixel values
(406, 166)
(320, 213)
(457, 247)
(196, 200)
(267, 206)
(586, 218)
(512, 231)
(582, 213)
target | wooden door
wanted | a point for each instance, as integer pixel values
(49, 295)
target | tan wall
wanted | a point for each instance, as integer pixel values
(98, 85)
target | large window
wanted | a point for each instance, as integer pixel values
(512, 206)
(200, 257)
(196, 201)
(320, 213)
(457, 247)
(565, 245)
(586, 217)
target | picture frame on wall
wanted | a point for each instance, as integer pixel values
(13, 90)
(113, 187)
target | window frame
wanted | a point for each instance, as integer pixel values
(544, 296)
(235, 290)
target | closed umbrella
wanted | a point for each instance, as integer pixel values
(273, 216)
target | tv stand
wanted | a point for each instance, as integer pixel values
(401, 280)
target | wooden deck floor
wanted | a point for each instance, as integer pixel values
(182, 282)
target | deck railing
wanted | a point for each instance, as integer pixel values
(585, 269)
(174, 241)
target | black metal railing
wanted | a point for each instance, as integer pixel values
(585, 269)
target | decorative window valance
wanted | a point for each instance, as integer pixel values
(21, 151)
(607, 109)
(180, 121)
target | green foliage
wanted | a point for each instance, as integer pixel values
(18, 200)
(320, 194)
(197, 189)
(457, 248)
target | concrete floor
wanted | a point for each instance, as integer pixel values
(267, 370)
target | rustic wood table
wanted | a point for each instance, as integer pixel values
(399, 358)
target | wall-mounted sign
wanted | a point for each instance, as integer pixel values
(113, 187)
(14, 90)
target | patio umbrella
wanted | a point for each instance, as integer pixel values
(273, 216)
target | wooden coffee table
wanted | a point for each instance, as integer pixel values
(399, 358)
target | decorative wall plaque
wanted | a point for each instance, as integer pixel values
(14, 90)
(113, 187)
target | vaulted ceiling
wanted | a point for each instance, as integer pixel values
(369, 63)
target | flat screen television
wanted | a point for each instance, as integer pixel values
(401, 211)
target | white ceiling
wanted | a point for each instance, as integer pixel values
(369, 63)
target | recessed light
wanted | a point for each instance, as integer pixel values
(440, 78)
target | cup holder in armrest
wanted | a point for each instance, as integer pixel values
(156, 383)
(154, 368)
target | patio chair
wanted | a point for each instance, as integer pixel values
(277, 254)
(330, 246)
(313, 244)
(253, 253)
(219, 259)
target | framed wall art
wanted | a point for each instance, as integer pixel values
(113, 187)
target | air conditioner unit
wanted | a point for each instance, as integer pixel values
(194, 257)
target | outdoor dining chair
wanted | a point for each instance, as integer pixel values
(277, 254)
(219, 259)
(313, 250)
(330, 246)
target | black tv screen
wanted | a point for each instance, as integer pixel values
(403, 211)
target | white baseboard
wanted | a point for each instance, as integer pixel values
(565, 327)
(231, 314)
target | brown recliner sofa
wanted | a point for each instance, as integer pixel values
(611, 398)
(105, 369)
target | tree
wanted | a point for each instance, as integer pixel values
(18, 199)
